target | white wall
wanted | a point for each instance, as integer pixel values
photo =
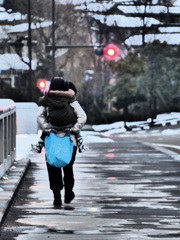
(26, 114)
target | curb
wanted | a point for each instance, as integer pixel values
(10, 183)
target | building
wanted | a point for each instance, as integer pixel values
(133, 23)
(14, 60)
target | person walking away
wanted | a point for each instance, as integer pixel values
(46, 122)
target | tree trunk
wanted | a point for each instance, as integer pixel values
(125, 113)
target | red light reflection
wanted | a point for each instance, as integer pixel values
(110, 155)
(111, 150)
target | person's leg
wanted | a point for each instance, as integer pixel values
(69, 179)
(55, 182)
(38, 147)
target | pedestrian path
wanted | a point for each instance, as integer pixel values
(124, 189)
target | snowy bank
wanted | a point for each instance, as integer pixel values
(118, 127)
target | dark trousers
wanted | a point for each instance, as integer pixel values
(55, 175)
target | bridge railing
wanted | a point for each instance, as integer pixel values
(7, 134)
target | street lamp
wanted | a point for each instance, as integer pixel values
(29, 50)
(1, 3)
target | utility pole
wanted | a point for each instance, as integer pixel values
(29, 50)
(53, 40)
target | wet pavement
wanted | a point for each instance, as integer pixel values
(125, 189)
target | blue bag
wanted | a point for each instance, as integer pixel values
(58, 150)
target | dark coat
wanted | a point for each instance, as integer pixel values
(60, 111)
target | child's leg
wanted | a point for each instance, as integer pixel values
(80, 144)
(43, 135)
(38, 147)
(78, 135)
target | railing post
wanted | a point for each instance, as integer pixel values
(1, 140)
(7, 134)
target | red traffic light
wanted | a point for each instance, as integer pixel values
(41, 84)
(111, 52)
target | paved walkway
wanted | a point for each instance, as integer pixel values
(124, 190)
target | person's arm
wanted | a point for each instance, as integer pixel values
(70, 93)
(42, 101)
(42, 120)
(81, 117)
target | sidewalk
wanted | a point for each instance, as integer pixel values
(124, 190)
(11, 181)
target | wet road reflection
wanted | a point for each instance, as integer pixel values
(124, 190)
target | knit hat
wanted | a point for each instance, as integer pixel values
(58, 83)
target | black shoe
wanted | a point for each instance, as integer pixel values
(57, 197)
(57, 202)
(38, 147)
(69, 196)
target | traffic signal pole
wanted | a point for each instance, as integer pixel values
(54, 47)
(53, 40)
(73, 46)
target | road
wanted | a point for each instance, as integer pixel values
(167, 137)
(124, 189)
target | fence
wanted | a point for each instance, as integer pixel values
(7, 134)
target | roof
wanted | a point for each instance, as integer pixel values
(125, 22)
(171, 39)
(10, 17)
(127, 15)
(12, 61)
(23, 27)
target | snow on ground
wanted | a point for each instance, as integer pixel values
(105, 127)
(101, 133)
(91, 137)
(170, 132)
(24, 141)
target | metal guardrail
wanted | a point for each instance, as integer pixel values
(7, 134)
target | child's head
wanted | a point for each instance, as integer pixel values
(71, 86)
(58, 83)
